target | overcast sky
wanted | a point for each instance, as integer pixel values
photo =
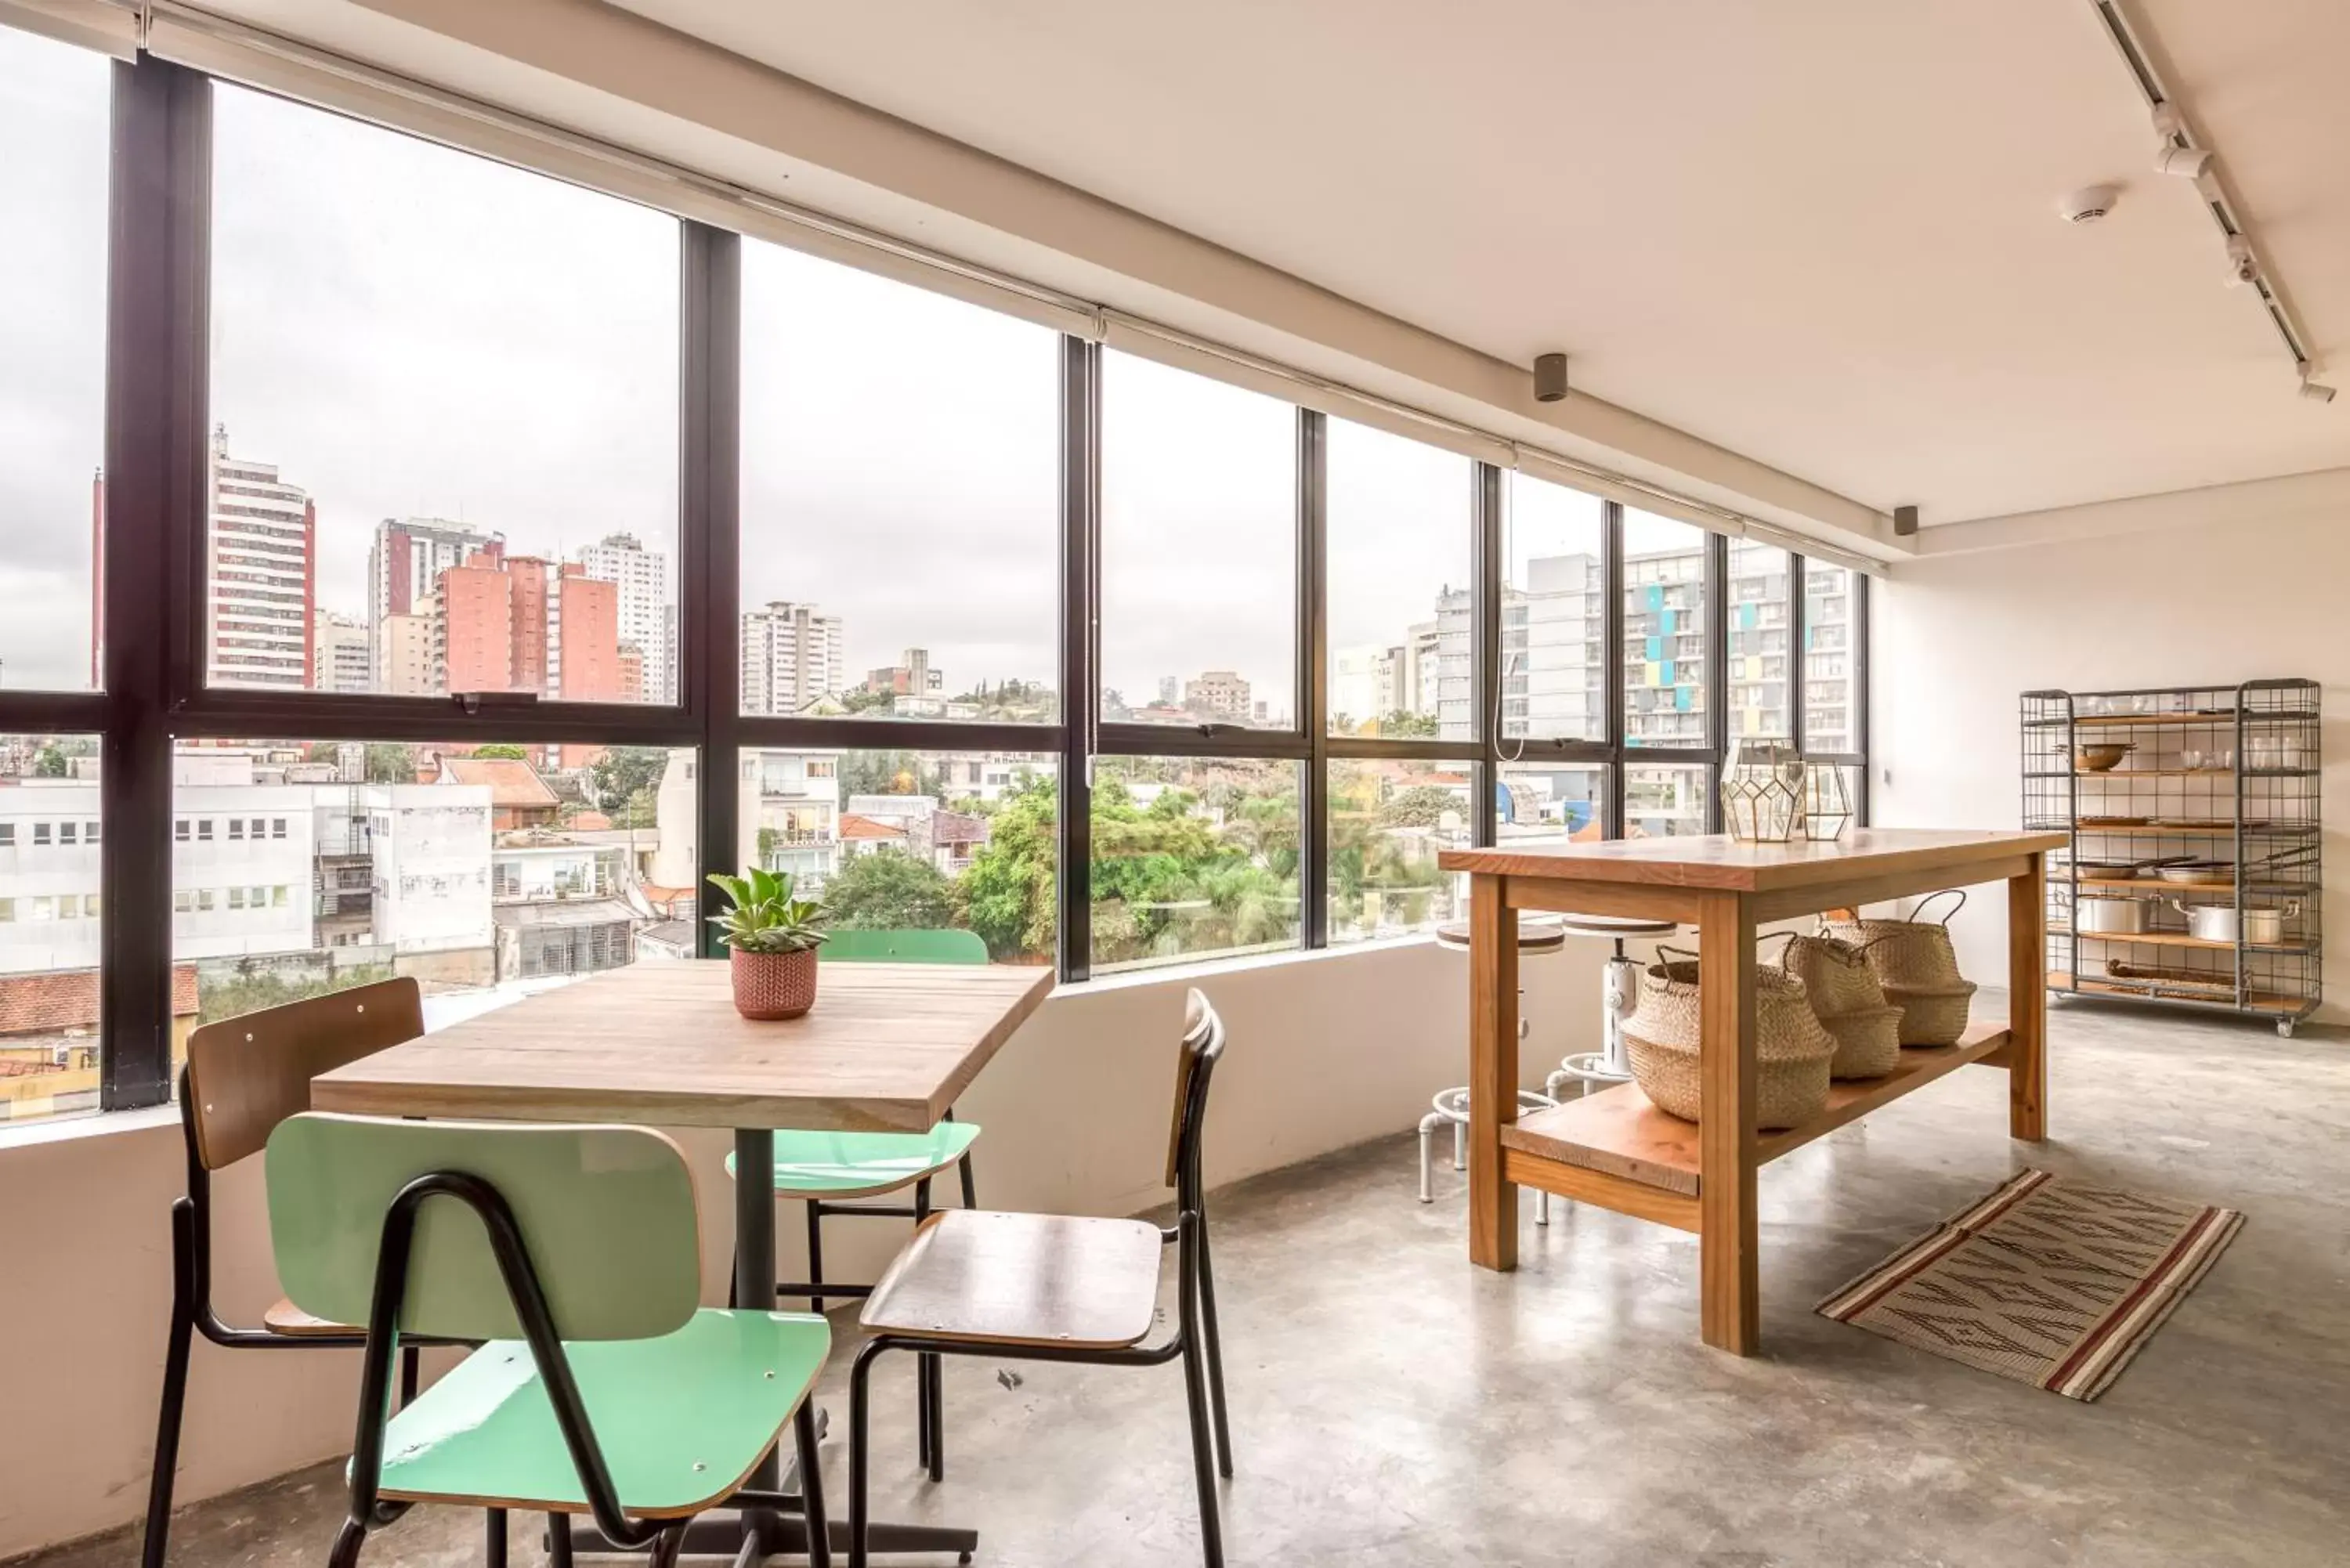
(408, 331)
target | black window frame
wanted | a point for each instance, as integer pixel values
(153, 694)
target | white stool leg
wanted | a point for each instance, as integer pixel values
(1427, 1128)
(1542, 1207)
(1460, 1145)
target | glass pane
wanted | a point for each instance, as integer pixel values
(53, 184)
(1758, 640)
(485, 871)
(1664, 632)
(1550, 803)
(1389, 822)
(445, 394)
(896, 841)
(1192, 858)
(1198, 568)
(50, 840)
(901, 543)
(1554, 614)
(1400, 521)
(1665, 800)
(1831, 668)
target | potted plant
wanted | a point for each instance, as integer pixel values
(774, 937)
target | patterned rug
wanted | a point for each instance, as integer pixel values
(2048, 1280)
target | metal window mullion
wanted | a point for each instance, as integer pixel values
(1717, 669)
(1860, 691)
(1080, 584)
(157, 240)
(1314, 674)
(709, 544)
(1798, 593)
(1611, 587)
(1485, 644)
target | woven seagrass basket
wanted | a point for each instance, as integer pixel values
(1914, 961)
(1791, 1051)
(1849, 1003)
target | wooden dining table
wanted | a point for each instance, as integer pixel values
(1616, 1150)
(888, 1048)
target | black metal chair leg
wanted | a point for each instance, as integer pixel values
(666, 1546)
(969, 1187)
(497, 1541)
(558, 1540)
(1213, 1342)
(935, 1395)
(167, 1434)
(1203, 1458)
(859, 1397)
(926, 1368)
(410, 1370)
(819, 1540)
(347, 1541)
(816, 1252)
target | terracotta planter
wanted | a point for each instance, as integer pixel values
(774, 985)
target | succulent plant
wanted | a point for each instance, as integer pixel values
(766, 918)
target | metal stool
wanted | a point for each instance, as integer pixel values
(1619, 994)
(1537, 936)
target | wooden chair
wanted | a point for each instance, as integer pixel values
(574, 1252)
(243, 1078)
(1048, 1287)
(825, 1170)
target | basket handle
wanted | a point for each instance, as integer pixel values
(1666, 953)
(1791, 936)
(1916, 915)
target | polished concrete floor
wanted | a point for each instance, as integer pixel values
(1392, 1405)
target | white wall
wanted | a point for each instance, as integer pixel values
(1325, 1051)
(1957, 638)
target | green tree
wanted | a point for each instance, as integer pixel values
(888, 772)
(501, 752)
(1399, 724)
(1007, 891)
(641, 809)
(49, 762)
(1422, 806)
(890, 890)
(389, 762)
(863, 702)
(614, 778)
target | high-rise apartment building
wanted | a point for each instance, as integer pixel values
(407, 556)
(646, 616)
(582, 632)
(402, 650)
(264, 572)
(791, 656)
(520, 623)
(340, 660)
(1366, 684)
(1830, 700)
(1218, 695)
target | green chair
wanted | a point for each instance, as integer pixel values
(604, 1387)
(823, 1168)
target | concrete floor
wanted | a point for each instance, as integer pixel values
(1390, 1404)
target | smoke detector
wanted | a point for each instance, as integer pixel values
(2089, 203)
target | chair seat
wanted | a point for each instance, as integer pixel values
(683, 1418)
(291, 1321)
(862, 1163)
(1023, 1279)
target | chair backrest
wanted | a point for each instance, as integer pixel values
(247, 1074)
(606, 1214)
(1203, 1042)
(904, 947)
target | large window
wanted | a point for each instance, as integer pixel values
(1554, 613)
(1399, 535)
(53, 180)
(901, 499)
(1198, 568)
(997, 639)
(444, 445)
(1665, 697)
(901, 841)
(1193, 857)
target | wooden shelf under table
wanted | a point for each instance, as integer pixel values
(2160, 991)
(1617, 1132)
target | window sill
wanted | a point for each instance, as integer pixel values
(76, 1126)
(1208, 968)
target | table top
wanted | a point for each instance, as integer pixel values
(888, 1047)
(1720, 861)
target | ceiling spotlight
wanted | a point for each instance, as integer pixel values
(2316, 393)
(1550, 379)
(2187, 162)
(2242, 266)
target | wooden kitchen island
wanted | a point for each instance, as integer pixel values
(1615, 1148)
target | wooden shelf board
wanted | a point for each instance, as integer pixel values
(1619, 1132)
(2176, 940)
(2257, 1002)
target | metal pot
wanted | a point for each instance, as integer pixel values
(2109, 917)
(2217, 922)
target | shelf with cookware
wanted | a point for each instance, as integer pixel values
(2193, 879)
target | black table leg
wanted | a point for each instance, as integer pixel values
(754, 1285)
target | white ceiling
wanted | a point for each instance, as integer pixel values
(1819, 233)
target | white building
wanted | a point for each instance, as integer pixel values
(789, 818)
(259, 593)
(50, 847)
(1557, 623)
(646, 617)
(242, 873)
(430, 876)
(1366, 684)
(339, 659)
(402, 651)
(791, 656)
